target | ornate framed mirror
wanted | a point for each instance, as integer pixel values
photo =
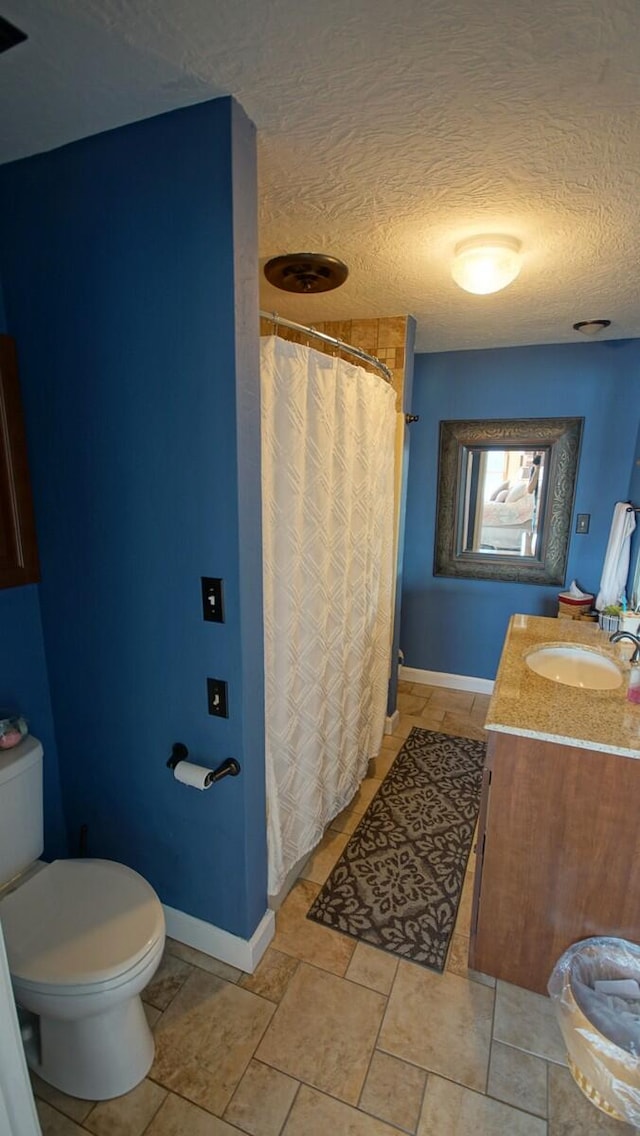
(506, 488)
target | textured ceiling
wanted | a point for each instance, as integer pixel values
(387, 133)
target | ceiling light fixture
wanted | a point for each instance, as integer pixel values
(486, 264)
(591, 327)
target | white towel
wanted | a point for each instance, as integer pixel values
(616, 561)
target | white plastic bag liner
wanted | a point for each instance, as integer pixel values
(601, 1031)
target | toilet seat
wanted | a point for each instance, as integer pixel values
(79, 926)
(24, 988)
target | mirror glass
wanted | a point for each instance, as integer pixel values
(505, 498)
(504, 501)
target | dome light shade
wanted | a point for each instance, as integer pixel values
(486, 264)
(591, 327)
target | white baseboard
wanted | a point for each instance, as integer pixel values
(245, 954)
(453, 682)
(392, 721)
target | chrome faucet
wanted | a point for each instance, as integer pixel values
(618, 635)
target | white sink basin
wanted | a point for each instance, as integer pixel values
(575, 666)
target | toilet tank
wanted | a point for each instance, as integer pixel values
(21, 827)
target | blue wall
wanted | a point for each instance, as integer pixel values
(24, 686)
(136, 319)
(458, 626)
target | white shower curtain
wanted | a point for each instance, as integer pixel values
(328, 432)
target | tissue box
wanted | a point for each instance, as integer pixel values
(572, 607)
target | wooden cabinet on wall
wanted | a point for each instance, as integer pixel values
(18, 549)
(557, 855)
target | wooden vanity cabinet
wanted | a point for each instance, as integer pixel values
(558, 855)
(18, 549)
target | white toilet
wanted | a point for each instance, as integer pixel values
(83, 939)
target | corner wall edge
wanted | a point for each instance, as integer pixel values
(245, 954)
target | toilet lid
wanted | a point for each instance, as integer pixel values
(79, 922)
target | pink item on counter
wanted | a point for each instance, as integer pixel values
(12, 738)
(633, 689)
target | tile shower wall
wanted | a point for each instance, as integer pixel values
(385, 338)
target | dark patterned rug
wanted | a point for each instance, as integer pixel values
(397, 885)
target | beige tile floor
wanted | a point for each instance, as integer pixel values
(331, 1036)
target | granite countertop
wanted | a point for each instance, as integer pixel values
(535, 707)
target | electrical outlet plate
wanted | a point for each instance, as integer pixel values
(217, 698)
(212, 599)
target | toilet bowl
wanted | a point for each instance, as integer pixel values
(83, 938)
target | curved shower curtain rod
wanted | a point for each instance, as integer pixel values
(275, 319)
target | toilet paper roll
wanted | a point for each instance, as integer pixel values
(198, 776)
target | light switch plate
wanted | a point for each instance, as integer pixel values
(582, 522)
(212, 599)
(217, 698)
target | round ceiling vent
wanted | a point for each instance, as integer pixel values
(306, 272)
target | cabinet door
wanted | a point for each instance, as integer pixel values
(18, 550)
(560, 856)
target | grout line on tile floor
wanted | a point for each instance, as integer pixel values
(423, 1098)
(291, 1106)
(346, 1104)
(256, 1061)
(88, 1116)
(517, 1107)
(514, 1107)
(165, 1097)
(332, 1096)
(493, 1026)
(375, 1041)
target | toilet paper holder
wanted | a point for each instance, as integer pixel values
(228, 768)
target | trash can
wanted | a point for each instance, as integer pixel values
(595, 989)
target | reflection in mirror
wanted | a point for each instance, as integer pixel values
(505, 498)
(504, 501)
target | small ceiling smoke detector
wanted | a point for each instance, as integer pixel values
(306, 272)
(486, 264)
(591, 327)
